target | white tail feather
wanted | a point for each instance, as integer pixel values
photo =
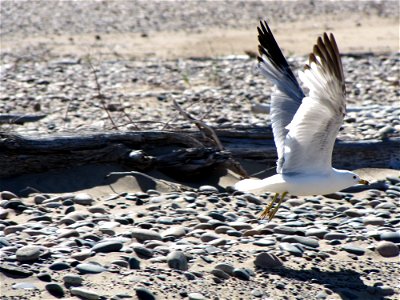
(247, 185)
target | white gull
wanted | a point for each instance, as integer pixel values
(304, 127)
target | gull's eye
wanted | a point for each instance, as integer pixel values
(354, 177)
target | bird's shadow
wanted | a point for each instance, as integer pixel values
(345, 283)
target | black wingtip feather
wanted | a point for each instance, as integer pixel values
(268, 48)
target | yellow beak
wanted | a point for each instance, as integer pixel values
(362, 181)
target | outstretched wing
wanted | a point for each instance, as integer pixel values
(287, 95)
(313, 130)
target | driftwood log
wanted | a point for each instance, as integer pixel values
(174, 151)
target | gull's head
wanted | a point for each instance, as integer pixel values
(354, 178)
(344, 179)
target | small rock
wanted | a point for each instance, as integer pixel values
(220, 274)
(28, 253)
(241, 273)
(44, 277)
(145, 234)
(371, 220)
(353, 249)
(177, 260)
(24, 286)
(292, 249)
(267, 260)
(16, 271)
(208, 188)
(106, 247)
(55, 290)
(387, 249)
(83, 199)
(390, 236)
(85, 293)
(196, 296)
(225, 267)
(335, 236)
(176, 231)
(310, 242)
(144, 294)
(72, 280)
(87, 268)
(59, 266)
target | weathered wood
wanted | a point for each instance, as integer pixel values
(175, 151)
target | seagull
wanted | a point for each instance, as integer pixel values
(304, 127)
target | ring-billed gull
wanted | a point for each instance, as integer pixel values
(304, 127)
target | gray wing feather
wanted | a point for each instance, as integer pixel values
(313, 130)
(287, 95)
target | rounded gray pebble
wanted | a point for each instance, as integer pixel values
(28, 253)
(387, 249)
(84, 293)
(177, 260)
(267, 260)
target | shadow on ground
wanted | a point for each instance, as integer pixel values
(346, 283)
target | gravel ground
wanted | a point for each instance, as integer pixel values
(201, 243)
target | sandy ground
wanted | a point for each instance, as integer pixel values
(357, 33)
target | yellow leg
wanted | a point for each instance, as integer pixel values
(268, 208)
(271, 214)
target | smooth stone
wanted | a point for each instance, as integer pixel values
(196, 296)
(24, 286)
(267, 260)
(220, 274)
(240, 225)
(83, 199)
(145, 234)
(84, 293)
(55, 290)
(264, 242)
(72, 280)
(335, 236)
(207, 237)
(318, 232)
(208, 188)
(144, 294)
(6, 195)
(46, 277)
(302, 240)
(241, 273)
(177, 260)
(390, 236)
(13, 229)
(385, 205)
(353, 249)
(143, 252)
(286, 230)
(134, 263)
(176, 231)
(253, 199)
(15, 271)
(28, 253)
(292, 249)
(87, 268)
(225, 267)
(59, 266)
(106, 247)
(4, 242)
(387, 249)
(373, 221)
(82, 255)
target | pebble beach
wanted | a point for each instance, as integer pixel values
(139, 237)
